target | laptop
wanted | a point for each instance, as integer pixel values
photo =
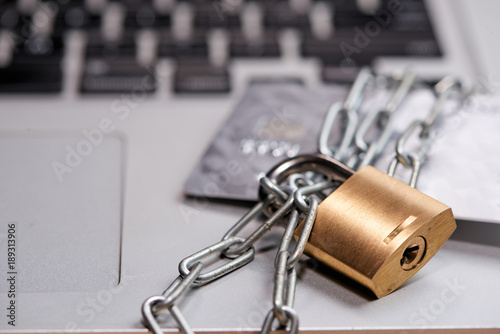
(107, 107)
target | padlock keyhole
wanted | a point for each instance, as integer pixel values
(410, 253)
(413, 254)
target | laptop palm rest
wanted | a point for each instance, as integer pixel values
(62, 193)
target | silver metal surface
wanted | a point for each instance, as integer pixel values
(156, 213)
(67, 216)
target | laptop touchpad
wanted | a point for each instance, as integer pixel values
(62, 194)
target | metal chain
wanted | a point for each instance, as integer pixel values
(190, 274)
(382, 119)
(349, 118)
(295, 202)
(412, 159)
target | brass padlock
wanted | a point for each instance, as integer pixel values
(378, 230)
(373, 228)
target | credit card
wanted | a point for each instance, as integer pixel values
(272, 122)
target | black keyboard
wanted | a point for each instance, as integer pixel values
(342, 35)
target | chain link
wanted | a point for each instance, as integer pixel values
(412, 159)
(382, 120)
(348, 116)
(295, 255)
(262, 229)
(154, 305)
(237, 262)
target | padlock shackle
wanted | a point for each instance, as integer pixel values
(318, 163)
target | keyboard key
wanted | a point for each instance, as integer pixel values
(217, 14)
(98, 47)
(21, 77)
(266, 46)
(121, 75)
(411, 15)
(281, 14)
(196, 46)
(356, 45)
(195, 76)
(34, 68)
(145, 17)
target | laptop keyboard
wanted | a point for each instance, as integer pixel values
(125, 40)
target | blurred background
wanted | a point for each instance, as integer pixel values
(215, 46)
